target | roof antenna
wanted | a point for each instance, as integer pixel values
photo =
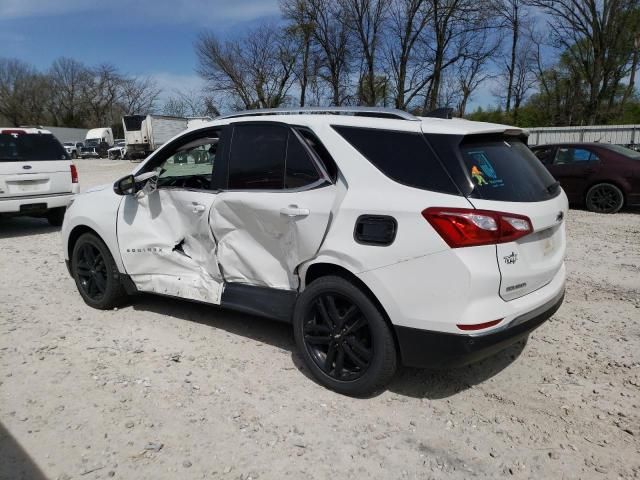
(444, 112)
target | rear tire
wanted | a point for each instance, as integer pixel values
(343, 338)
(96, 273)
(55, 216)
(604, 198)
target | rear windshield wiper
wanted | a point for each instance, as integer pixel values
(552, 188)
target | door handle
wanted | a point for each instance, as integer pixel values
(198, 208)
(294, 211)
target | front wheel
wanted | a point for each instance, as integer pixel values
(343, 338)
(96, 273)
(604, 198)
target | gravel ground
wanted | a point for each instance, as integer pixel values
(167, 389)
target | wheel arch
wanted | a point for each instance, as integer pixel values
(76, 233)
(615, 183)
(323, 269)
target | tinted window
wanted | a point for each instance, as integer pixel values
(544, 154)
(133, 122)
(574, 155)
(300, 170)
(22, 147)
(627, 152)
(506, 170)
(257, 157)
(321, 152)
(402, 156)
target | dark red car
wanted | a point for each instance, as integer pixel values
(602, 177)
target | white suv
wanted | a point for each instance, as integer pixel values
(381, 236)
(37, 177)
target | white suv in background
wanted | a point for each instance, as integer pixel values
(381, 236)
(37, 177)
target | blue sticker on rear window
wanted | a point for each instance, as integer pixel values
(482, 171)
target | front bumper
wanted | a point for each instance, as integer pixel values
(423, 348)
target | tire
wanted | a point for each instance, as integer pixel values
(98, 281)
(352, 329)
(604, 198)
(55, 216)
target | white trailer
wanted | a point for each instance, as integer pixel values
(145, 133)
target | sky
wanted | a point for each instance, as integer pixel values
(141, 37)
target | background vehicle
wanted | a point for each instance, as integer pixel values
(37, 177)
(287, 214)
(600, 176)
(97, 142)
(145, 133)
(73, 148)
(118, 151)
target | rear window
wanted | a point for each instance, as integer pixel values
(506, 170)
(29, 147)
(402, 156)
(133, 122)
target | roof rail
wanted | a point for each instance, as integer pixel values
(378, 112)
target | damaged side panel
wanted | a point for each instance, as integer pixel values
(167, 246)
(263, 236)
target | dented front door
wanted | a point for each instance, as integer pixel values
(167, 246)
(166, 243)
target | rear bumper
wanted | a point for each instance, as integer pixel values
(423, 348)
(47, 202)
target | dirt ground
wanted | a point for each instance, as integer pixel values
(166, 389)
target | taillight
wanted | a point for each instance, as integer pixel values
(467, 227)
(74, 174)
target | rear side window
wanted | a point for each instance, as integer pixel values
(544, 154)
(506, 170)
(257, 160)
(29, 147)
(402, 156)
(300, 170)
(321, 151)
(574, 155)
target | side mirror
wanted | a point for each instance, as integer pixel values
(125, 186)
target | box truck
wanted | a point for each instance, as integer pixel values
(145, 133)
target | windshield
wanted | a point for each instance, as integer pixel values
(68, 144)
(23, 147)
(92, 142)
(627, 152)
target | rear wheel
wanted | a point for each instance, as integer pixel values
(96, 273)
(604, 198)
(343, 338)
(55, 216)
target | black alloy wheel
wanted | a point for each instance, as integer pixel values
(605, 198)
(92, 271)
(96, 273)
(337, 336)
(343, 337)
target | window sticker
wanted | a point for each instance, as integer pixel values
(483, 170)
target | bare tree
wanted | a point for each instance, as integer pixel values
(139, 94)
(365, 19)
(453, 26)
(301, 28)
(70, 82)
(513, 17)
(407, 22)
(22, 93)
(190, 103)
(598, 37)
(256, 71)
(332, 37)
